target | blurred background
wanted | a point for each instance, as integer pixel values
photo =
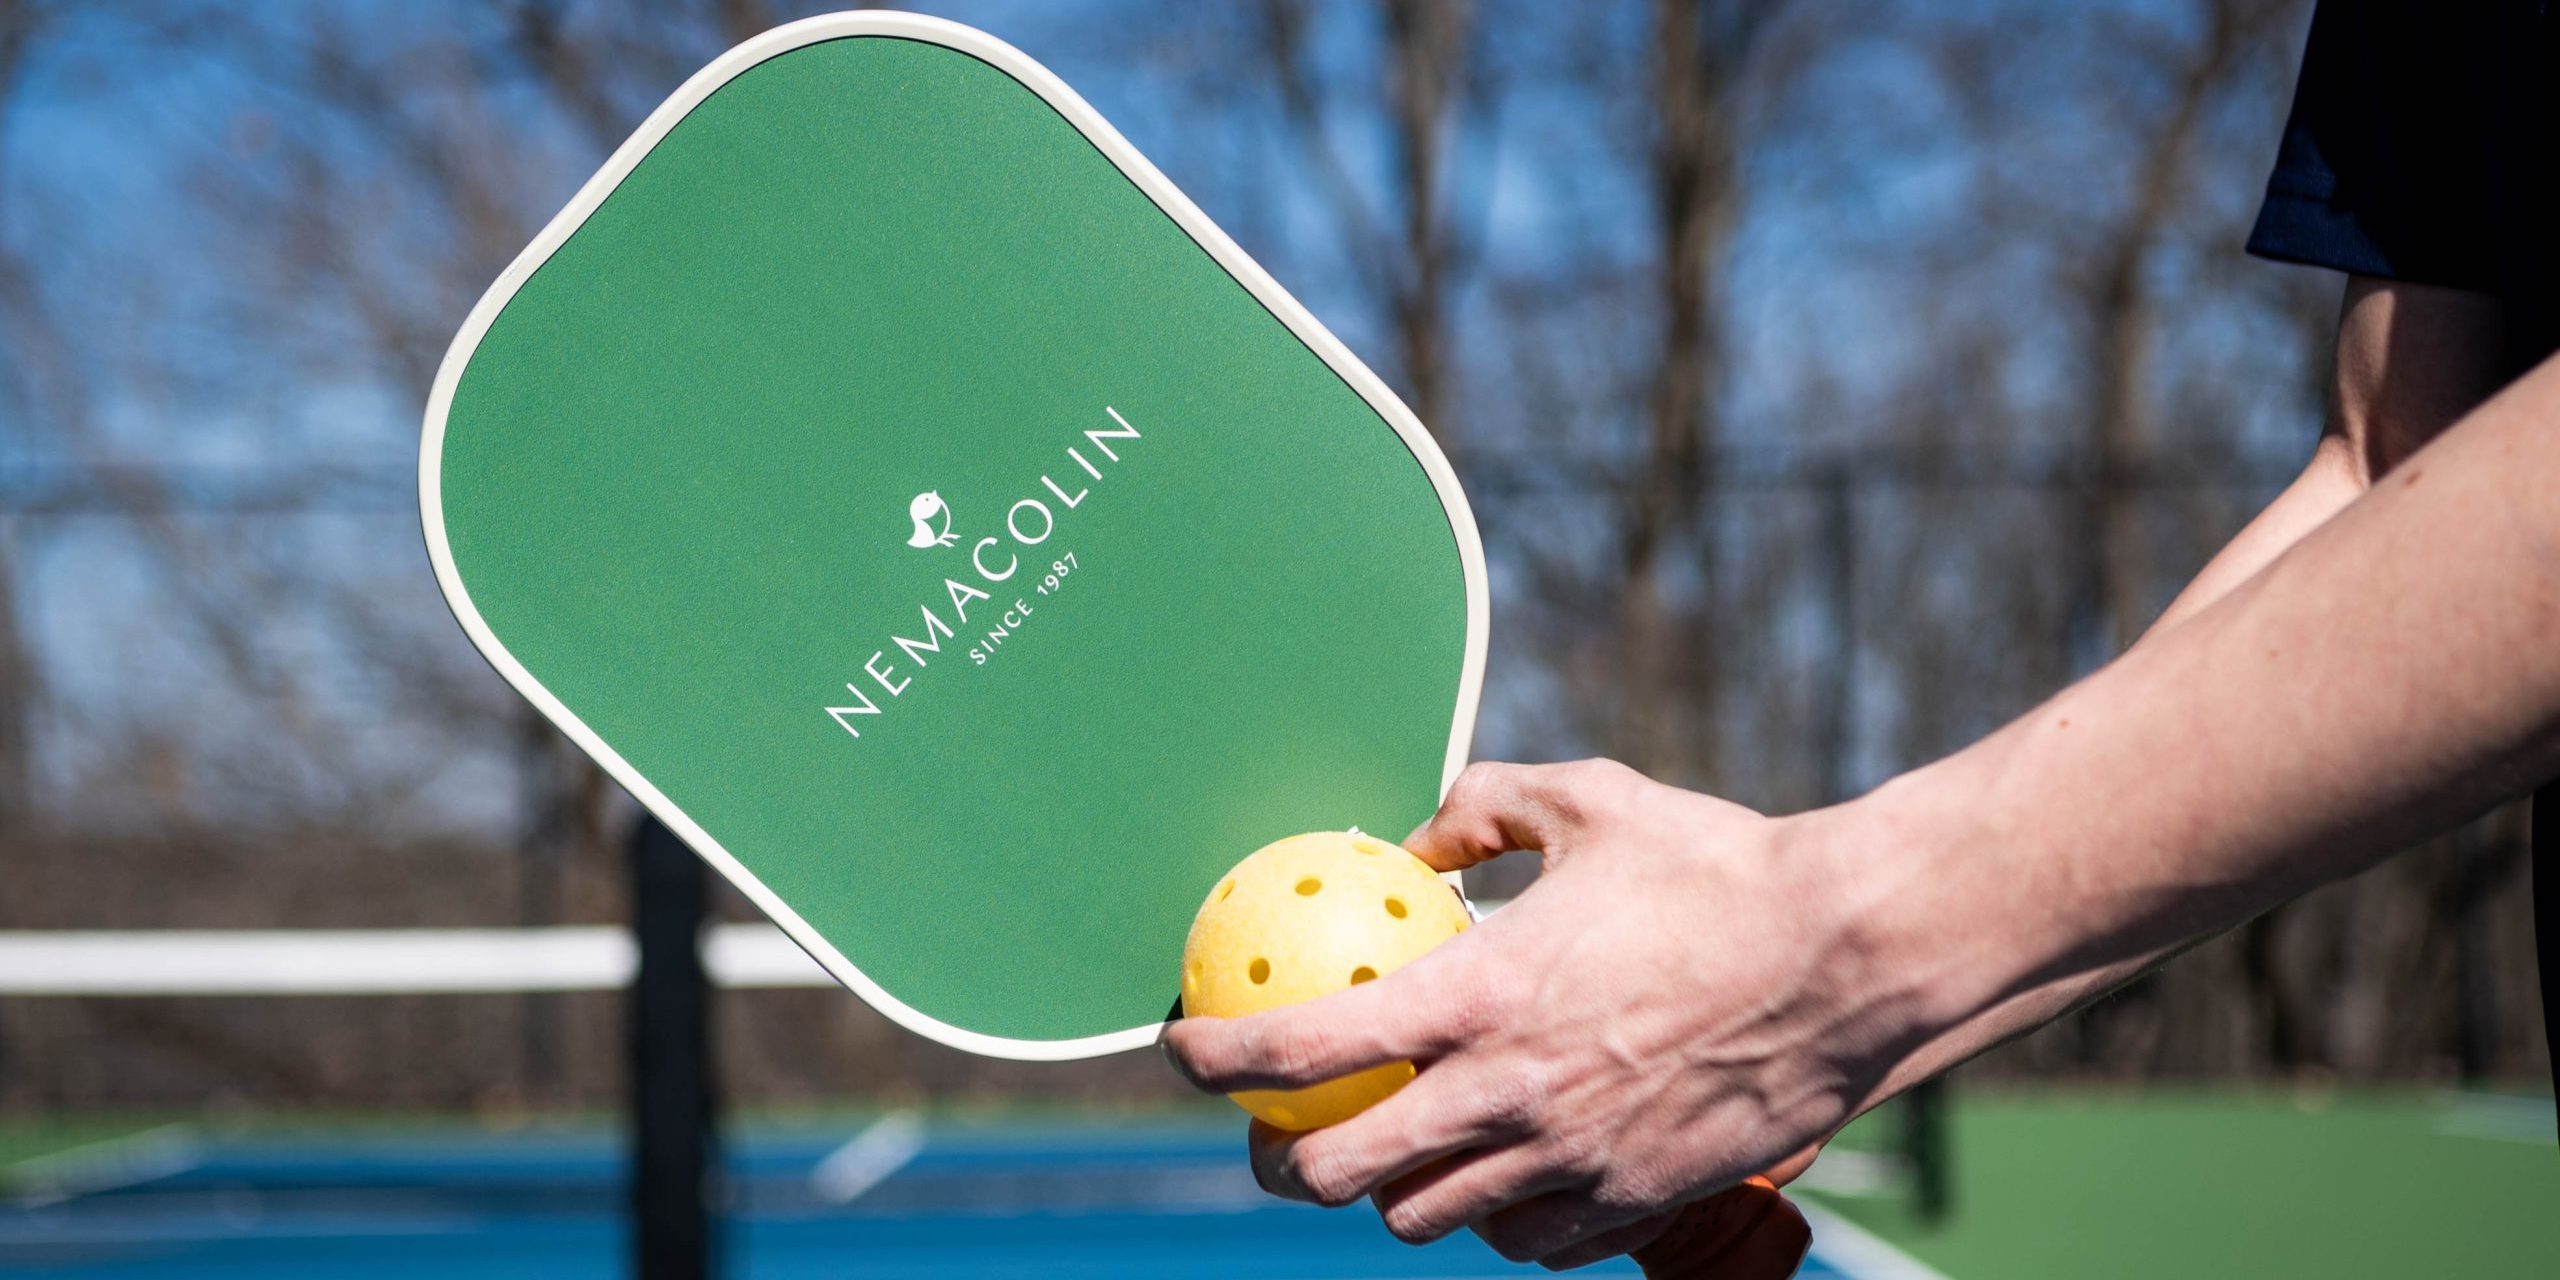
(1832, 381)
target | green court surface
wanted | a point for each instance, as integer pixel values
(2049, 1183)
(2270, 1185)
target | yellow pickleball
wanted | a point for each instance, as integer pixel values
(1305, 917)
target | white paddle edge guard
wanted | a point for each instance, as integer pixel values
(1138, 170)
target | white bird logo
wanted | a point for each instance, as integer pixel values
(922, 510)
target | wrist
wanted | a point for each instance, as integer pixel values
(1927, 933)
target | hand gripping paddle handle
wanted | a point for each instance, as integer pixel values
(1749, 1232)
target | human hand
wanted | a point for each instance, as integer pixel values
(1745, 1232)
(1679, 1002)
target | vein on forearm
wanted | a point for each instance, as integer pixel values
(2387, 676)
(2410, 360)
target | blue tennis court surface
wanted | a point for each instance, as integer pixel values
(897, 1200)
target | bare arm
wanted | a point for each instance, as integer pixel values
(1758, 980)
(2410, 639)
(2410, 361)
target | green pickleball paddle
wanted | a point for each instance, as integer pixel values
(919, 505)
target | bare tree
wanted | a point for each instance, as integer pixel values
(1831, 381)
(19, 690)
(1409, 232)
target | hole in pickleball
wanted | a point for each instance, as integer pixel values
(1224, 890)
(1260, 971)
(1395, 907)
(1362, 974)
(1307, 887)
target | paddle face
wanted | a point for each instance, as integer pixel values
(898, 486)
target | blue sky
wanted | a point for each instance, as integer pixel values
(1865, 174)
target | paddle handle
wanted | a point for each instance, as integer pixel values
(1749, 1232)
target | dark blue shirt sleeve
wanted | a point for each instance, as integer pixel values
(2385, 163)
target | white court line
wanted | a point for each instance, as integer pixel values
(1853, 1173)
(2498, 1118)
(262, 962)
(869, 1159)
(315, 962)
(57, 1176)
(1852, 1250)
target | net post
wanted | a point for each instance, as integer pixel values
(675, 1146)
(2542, 850)
(1924, 1143)
(1923, 1110)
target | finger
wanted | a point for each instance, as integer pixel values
(1434, 1117)
(1609, 1244)
(1267, 1146)
(1419, 1011)
(1439, 1198)
(1548, 1225)
(1493, 809)
(1793, 1167)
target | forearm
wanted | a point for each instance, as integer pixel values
(2326, 486)
(2410, 361)
(2387, 676)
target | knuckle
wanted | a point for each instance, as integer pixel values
(1632, 1190)
(1604, 784)
(1325, 1178)
(1411, 1225)
(1298, 1053)
(1512, 1102)
(1577, 1154)
(1471, 1009)
(1598, 769)
(1476, 783)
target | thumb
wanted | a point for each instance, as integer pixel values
(1493, 809)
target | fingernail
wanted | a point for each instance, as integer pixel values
(1174, 1060)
